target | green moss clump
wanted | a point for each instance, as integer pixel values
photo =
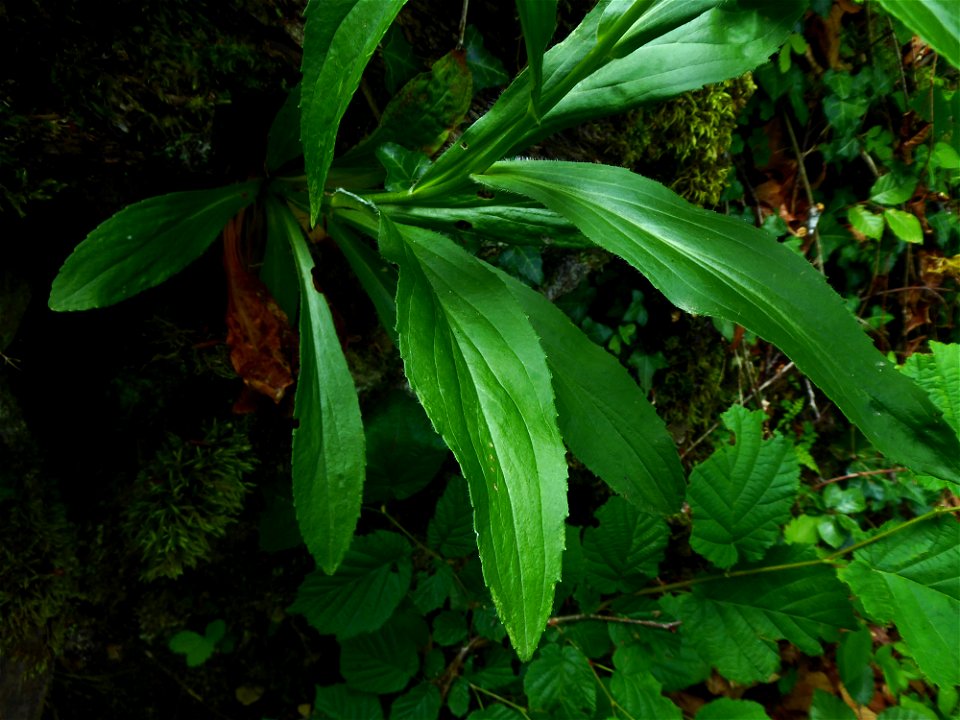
(185, 498)
(686, 141)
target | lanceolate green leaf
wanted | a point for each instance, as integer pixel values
(912, 577)
(476, 364)
(736, 624)
(707, 263)
(144, 244)
(935, 21)
(741, 494)
(328, 444)
(604, 417)
(538, 18)
(339, 38)
(378, 278)
(694, 53)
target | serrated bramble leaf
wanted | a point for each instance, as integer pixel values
(495, 712)
(496, 670)
(560, 679)
(716, 265)
(636, 689)
(854, 654)
(366, 589)
(480, 373)
(145, 244)
(741, 494)
(422, 702)
(404, 167)
(625, 550)
(939, 374)
(328, 444)
(431, 591)
(730, 709)
(737, 622)
(670, 657)
(524, 262)
(604, 417)
(912, 578)
(341, 702)
(383, 661)
(339, 38)
(449, 628)
(451, 529)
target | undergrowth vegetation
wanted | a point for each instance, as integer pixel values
(629, 388)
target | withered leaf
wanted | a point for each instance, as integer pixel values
(258, 332)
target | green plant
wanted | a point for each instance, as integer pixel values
(185, 497)
(506, 379)
(198, 648)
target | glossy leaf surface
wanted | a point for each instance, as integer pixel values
(144, 244)
(913, 579)
(479, 371)
(328, 444)
(720, 43)
(538, 18)
(737, 624)
(741, 494)
(604, 417)
(935, 21)
(706, 263)
(339, 38)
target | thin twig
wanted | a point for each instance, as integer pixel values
(801, 166)
(767, 383)
(864, 473)
(614, 619)
(463, 25)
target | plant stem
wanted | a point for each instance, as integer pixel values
(614, 619)
(826, 560)
(519, 708)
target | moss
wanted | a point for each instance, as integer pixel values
(685, 141)
(186, 497)
(38, 571)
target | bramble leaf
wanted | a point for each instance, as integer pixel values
(939, 374)
(328, 444)
(384, 661)
(737, 623)
(912, 578)
(560, 678)
(145, 244)
(422, 702)
(626, 549)
(730, 709)
(477, 366)
(341, 702)
(716, 265)
(363, 593)
(741, 494)
(636, 689)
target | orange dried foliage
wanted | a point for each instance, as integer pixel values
(258, 332)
